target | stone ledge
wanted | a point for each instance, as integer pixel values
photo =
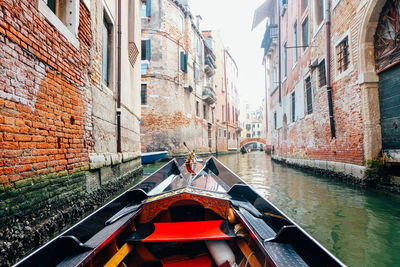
(100, 160)
(344, 169)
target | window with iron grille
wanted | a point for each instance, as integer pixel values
(309, 96)
(342, 53)
(143, 94)
(322, 73)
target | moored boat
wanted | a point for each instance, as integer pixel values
(177, 218)
(150, 157)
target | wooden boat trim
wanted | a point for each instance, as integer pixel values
(152, 208)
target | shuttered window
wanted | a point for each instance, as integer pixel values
(143, 94)
(148, 8)
(183, 61)
(293, 107)
(305, 33)
(322, 73)
(309, 96)
(146, 51)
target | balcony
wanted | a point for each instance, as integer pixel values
(271, 33)
(209, 66)
(209, 95)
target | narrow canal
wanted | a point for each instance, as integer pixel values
(361, 227)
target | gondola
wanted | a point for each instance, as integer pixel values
(204, 215)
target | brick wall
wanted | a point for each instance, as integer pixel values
(170, 117)
(309, 136)
(43, 104)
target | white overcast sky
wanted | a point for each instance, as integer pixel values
(233, 19)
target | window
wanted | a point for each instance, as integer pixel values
(146, 50)
(204, 112)
(259, 133)
(224, 133)
(248, 127)
(195, 72)
(143, 94)
(146, 9)
(67, 12)
(212, 115)
(305, 34)
(293, 107)
(295, 44)
(220, 132)
(223, 113)
(197, 109)
(322, 74)
(309, 96)
(229, 113)
(105, 64)
(275, 121)
(183, 61)
(182, 26)
(248, 135)
(285, 60)
(305, 4)
(318, 11)
(229, 135)
(342, 52)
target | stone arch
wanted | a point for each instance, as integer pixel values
(252, 140)
(369, 81)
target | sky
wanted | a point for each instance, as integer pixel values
(233, 19)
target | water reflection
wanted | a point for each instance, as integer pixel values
(361, 227)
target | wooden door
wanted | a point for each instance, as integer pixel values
(389, 100)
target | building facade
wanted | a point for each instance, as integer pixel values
(332, 105)
(69, 124)
(232, 102)
(178, 69)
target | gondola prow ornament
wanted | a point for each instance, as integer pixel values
(191, 159)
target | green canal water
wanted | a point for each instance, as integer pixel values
(361, 227)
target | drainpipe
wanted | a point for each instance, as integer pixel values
(328, 68)
(119, 81)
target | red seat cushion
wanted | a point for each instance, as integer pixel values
(196, 262)
(186, 231)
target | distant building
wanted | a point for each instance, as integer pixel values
(232, 102)
(178, 84)
(330, 67)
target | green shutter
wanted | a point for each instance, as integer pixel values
(182, 61)
(185, 64)
(148, 8)
(148, 49)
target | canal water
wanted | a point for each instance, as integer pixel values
(361, 227)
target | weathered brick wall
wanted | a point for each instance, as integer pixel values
(169, 118)
(309, 137)
(43, 104)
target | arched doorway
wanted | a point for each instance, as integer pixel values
(387, 59)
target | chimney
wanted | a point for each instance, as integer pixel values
(198, 20)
